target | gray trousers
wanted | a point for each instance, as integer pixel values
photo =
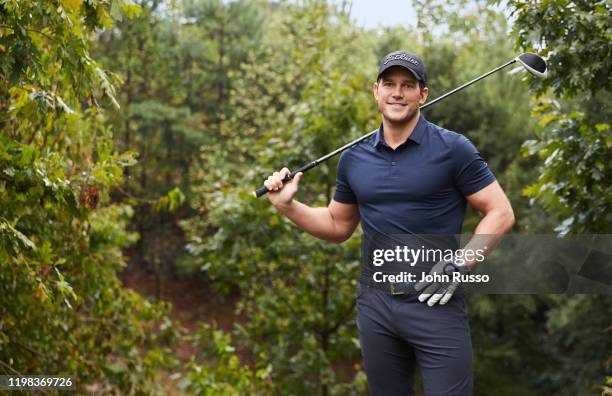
(397, 333)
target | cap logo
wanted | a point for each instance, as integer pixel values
(401, 57)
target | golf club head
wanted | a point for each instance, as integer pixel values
(533, 63)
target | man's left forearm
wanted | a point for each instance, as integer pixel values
(489, 232)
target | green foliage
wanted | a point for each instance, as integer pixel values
(292, 111)
(296, 291)
(223, 373)
(175, 60)
(171, 202)
(574, 184)
(216, 95)
(217, 39)
(575, 37)
(63, 310)
(47, 44)
(580, 343)
(575, 147)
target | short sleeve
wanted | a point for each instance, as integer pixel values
(344, 193)
(472, 173)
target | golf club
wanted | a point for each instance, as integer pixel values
(531, 62)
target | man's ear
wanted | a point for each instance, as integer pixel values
(424, 94)
(375, 90)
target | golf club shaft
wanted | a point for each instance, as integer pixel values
(264, 190)
(439, 98)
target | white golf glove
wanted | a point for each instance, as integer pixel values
(441, 292)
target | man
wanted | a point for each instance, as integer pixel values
(409, 178)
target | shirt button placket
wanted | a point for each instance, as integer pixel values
(393, 165)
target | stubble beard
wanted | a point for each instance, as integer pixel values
(403, 121)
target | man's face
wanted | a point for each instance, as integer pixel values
(399, 95)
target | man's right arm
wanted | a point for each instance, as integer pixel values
(335, 223)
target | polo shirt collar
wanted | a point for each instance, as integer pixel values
(416, 135)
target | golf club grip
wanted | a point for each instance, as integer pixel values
(264, 190)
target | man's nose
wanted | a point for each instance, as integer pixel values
(397, 91)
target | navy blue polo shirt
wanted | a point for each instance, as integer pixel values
(419, 187)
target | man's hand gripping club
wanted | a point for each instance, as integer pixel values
(282, 194)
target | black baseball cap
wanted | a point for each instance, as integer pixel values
(406, 60)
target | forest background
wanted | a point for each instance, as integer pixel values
(132, 136)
